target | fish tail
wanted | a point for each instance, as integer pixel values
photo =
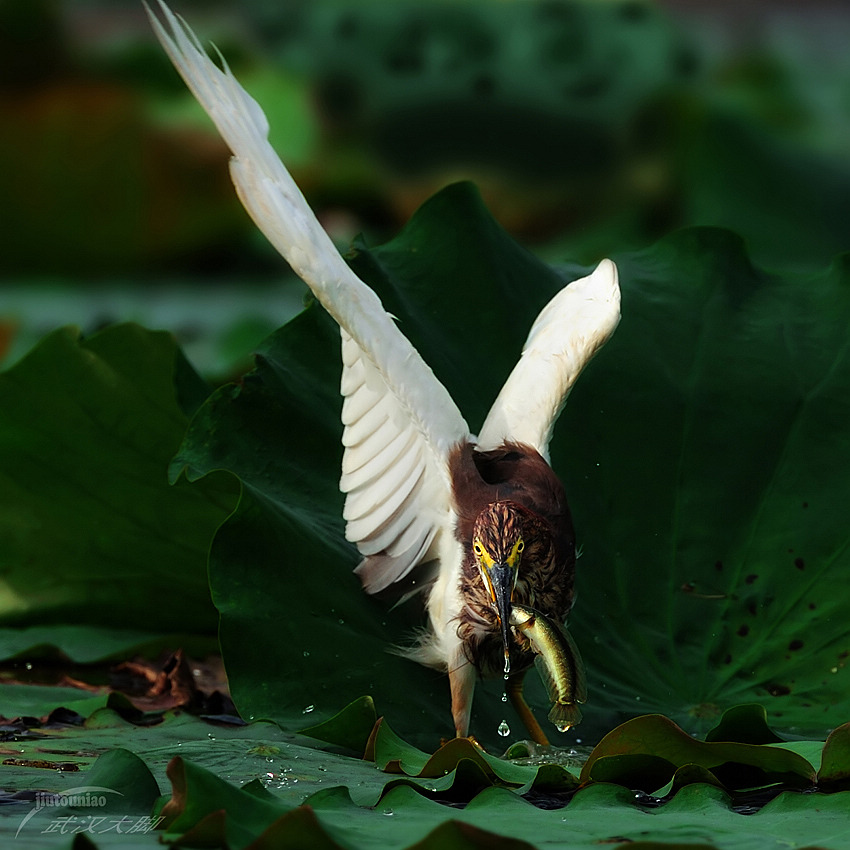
(565, 715)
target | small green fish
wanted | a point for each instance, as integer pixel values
(558, 662)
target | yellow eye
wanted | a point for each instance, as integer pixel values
(477, 548)
(520, 546)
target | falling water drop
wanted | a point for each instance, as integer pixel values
(507, 664)
(504, 697)
(504, 729)
(307, 709)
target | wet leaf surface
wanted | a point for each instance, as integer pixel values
(260, 783)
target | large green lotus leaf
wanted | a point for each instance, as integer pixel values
(90, 531)
(702, 453)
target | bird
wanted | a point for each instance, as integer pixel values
(472, 524)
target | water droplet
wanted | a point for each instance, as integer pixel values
(307, 709)
(28, 665)
(388, 812)
(507, 664)
(504, 697)
(211, 736)
(341, 621)
(306, 654)
(563, 728)
(504, 729)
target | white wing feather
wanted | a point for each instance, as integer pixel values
(570, 329)
(397, 506)
(400, 422)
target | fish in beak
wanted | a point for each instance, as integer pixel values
(558, 661)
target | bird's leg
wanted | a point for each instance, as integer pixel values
(514, 689)
(462, 683)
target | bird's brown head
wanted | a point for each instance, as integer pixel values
(497, 545)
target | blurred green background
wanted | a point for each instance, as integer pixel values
(589, 127)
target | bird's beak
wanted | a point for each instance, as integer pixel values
(501, 578)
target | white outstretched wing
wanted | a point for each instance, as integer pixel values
(397, 509)
(570, 329)
(400, 421)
